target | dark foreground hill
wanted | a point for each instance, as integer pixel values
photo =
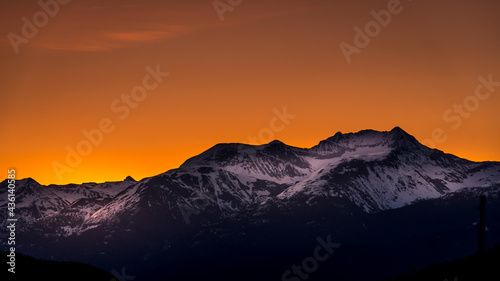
(478, 267)
(28, 268)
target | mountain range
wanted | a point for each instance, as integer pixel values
(386, 201)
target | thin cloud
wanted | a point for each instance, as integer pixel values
(149, 36)
(107, 41)
(92, 38)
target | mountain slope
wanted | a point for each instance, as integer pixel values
(227, 196)
(371, 170)
(38, 205)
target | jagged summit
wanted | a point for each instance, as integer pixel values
(275, 142)
(398, 130)
(402, 139)
(341, 143)
(130, 179)
(333, 146)
(29, 180)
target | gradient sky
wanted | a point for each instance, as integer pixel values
(228, 78)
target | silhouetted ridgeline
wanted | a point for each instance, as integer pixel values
(479, 267)
(28, 268)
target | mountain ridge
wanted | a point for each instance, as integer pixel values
(231, 175)
(232, 192)
(398, 136)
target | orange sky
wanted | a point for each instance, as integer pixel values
(228, 78)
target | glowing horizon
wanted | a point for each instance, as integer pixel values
(105, 177)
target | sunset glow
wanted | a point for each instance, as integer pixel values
(101, 67)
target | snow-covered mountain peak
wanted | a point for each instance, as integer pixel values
(401, 139)
(367, 171)
(221, 154)
(341, 143)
